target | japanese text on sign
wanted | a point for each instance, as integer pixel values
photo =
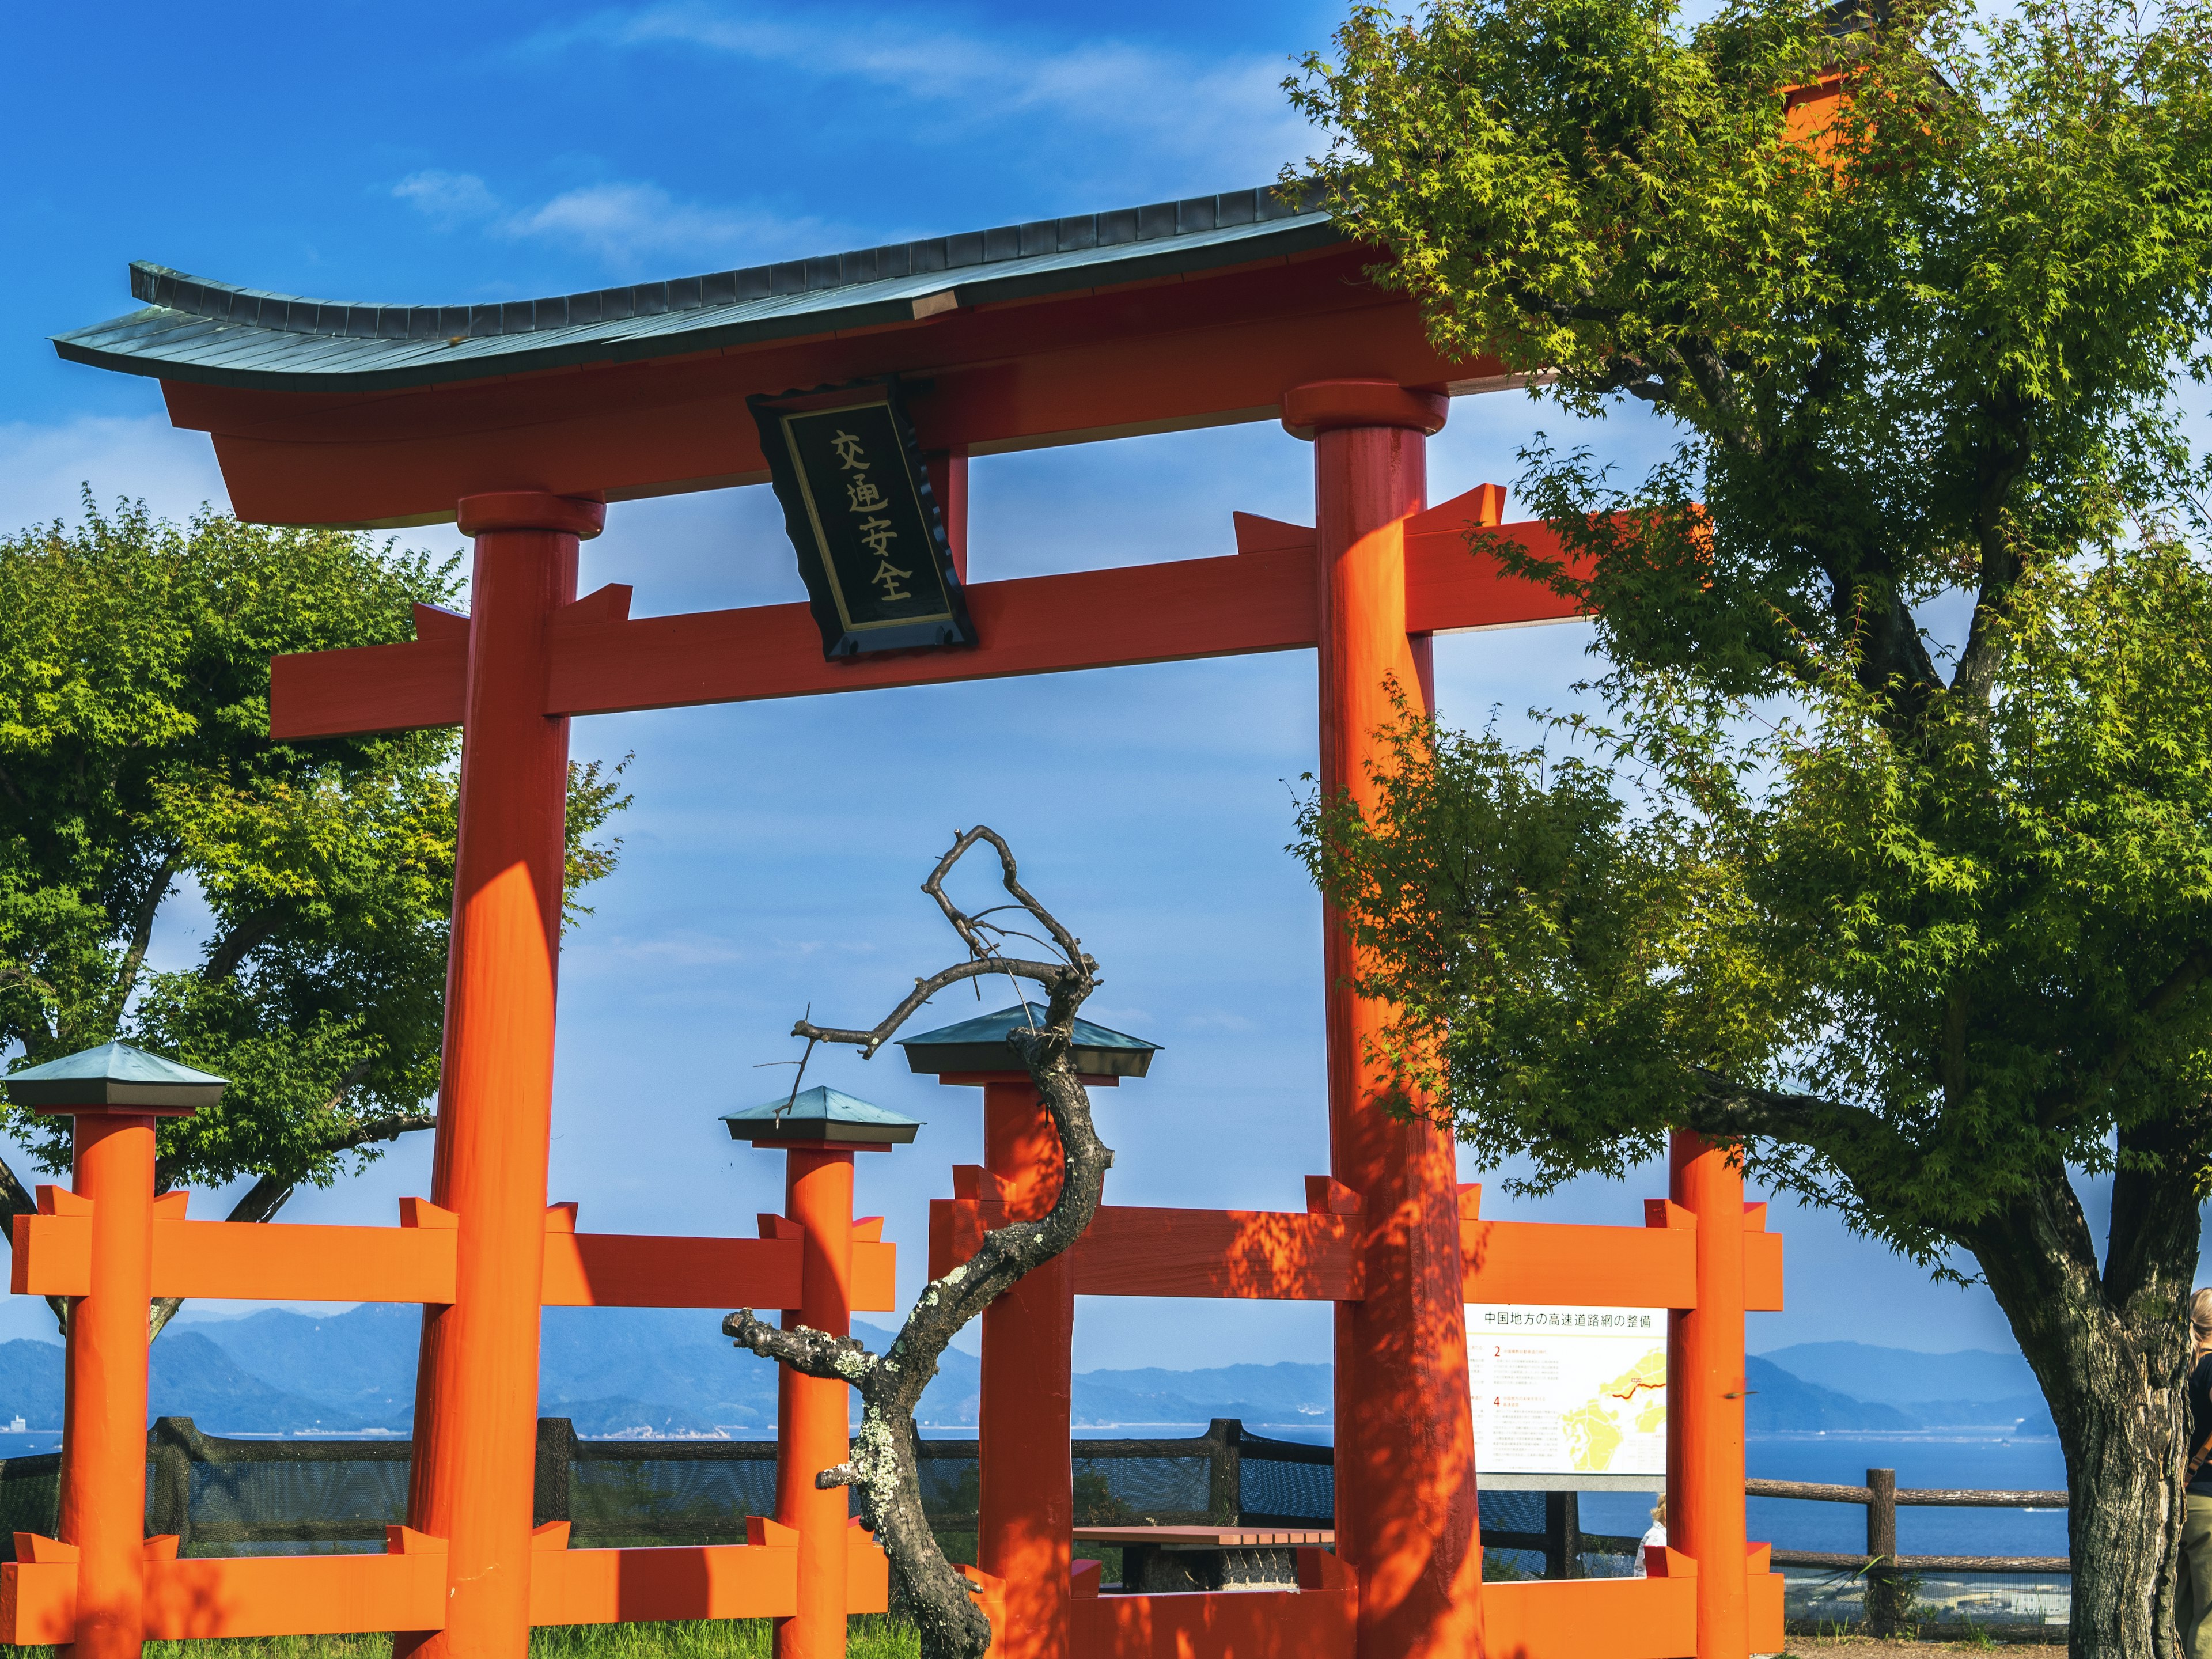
(1568, 1391)
(870, 546)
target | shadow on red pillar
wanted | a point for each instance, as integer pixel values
(1407, 1516)
(477, 1383)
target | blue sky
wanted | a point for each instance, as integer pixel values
(405, 152)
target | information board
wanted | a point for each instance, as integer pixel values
(1568, 1391)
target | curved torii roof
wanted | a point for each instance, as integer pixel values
(1181, 314)
(212, 333)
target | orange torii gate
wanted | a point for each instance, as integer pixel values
(523, 420)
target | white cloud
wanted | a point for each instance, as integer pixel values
(1231, 115)
(44, 467)
(448, 198)
(625, 225)
(620, 222)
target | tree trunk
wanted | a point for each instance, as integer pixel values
(2110, 1350)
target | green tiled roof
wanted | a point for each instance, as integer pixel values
(192, 328)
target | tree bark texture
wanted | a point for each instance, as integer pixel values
(2111, 1352)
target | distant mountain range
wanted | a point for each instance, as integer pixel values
(650, 1371)
(1968, 1388)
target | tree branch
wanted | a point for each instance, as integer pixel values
(884, 1467)
(876, 1035)
(142, 932)
(255, 928)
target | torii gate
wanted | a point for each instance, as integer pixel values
(523, 421)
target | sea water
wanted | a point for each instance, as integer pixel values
(1954, 1460)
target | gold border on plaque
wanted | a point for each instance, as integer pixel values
(821, 539)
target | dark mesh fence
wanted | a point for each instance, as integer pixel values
(231, 1497)
(1284, 1482)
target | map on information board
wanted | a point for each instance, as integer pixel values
(1568, 1391)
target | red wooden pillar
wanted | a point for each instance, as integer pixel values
(476, 1385)
(813, 1413)
(103, 1507)
(1705, 1399)
(1027, 1479)
(1406, 1518)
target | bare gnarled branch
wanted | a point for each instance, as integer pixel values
(884, 1469)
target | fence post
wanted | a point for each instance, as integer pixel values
(1886, 1593)
(556, 1451)
(169, 1501)
(1225, 1494)
(1562, 1535)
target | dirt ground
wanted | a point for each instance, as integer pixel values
(1868, 1647)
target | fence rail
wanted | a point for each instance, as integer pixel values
(1889, 1575)
(218, 1494)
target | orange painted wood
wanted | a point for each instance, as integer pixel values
(1762, 1271)
(1592, 1619)
(1236, 1624)
(636, 1270)
(1764, 1588)
(991, 1598)
(281, 1262)
(38, 1603)
(293, 1596)
(642, 1270)
(867, 1572)
(1451, 587)
(1405, 1438)
(1705, 1397)
(274, 1262)
(1025, 1478)
(1255, 601)
(811, 1413)
(51, 1255)
(103, 1461)
(239, 1595)
(713, 1581)
(1282, 1255)
(476, 1390)
(1156, 355)
(1543, 1262)
(412, 686)
(1134, 1251)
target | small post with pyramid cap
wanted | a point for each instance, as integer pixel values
(818, 1130)
(113, 1093)
(1025, 1479)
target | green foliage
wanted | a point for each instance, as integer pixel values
(1914, 974)
(1903, 333)
(135, 756)
(1920, 930)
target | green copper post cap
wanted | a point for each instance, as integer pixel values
(979, 1045)
(114, 1074)
(821, 1113)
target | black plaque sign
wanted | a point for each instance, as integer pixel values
(857, 502)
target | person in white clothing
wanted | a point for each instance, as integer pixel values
(1655, 1534)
